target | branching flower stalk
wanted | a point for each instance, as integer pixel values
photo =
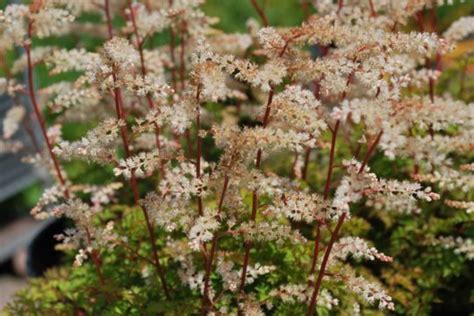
(337, 229)
(133, 181)
(206, 303)
(253, 215)
(41, 122)
(139, 43)
(39, 116)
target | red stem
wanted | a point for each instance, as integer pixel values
(305, 9)
(143, 71)
(372, 10)
(306, 163)
(248, 244)
(266, 117)
(340, 4)
(205, 299)
(322, 270)
(133, 180)
(370, 151)
(41, 121)
(260, 12)
(327, 185)
(334, 236)
(95, 258)
(316, 248)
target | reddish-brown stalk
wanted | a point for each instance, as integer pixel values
(316, 249)
(462, 80)
(327, 185)
(205, 299)
(57, 168)
(121, 115)
(135, 253)
(322, 270)
(304, 173)
(39, 116)
(253, 216)
(334, 235)
(340, 4)
(370, 151)
(151, 105)
(372, 9)
(305, 9)
(317, 95)
(198, 159)
(419, 20)
(293, 165)
(260, 12)
(182, 78)
(95, 258)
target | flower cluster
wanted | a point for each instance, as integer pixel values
(228, 164)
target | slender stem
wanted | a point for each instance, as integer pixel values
(370, 151)
(266, 118)
(205, 299)
(316, 248)
(95, 258)
(158, 266)
(340, 4)
(143, 72)
(326, 196)
(41, 120)
(135, 253)
(372, 9)
(260, 12)
(173, 59)
(431, 89)
(322, 270)
(124, 135)
(307, 154)
(305, 9)
(187, 136)
(248, 244)
(334, 235)
(327, 185)
(462, 81)
(106, 8)
(133, 181)
(293, 166)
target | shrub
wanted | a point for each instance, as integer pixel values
(228, 173)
